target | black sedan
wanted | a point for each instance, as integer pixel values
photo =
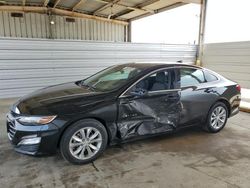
(121, 103)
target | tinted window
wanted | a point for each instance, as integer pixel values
(190, 77)
(162, 80)
(210, 77)
(113, 77)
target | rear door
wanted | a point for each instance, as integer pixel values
(150, 106)
(196, 96)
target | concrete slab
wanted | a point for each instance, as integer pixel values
(190, 158)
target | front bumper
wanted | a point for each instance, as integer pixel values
(32, 139)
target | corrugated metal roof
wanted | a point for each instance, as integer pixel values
(124, 10)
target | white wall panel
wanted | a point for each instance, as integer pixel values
(229, 59)
(29, 64)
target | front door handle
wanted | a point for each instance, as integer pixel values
(172, 97)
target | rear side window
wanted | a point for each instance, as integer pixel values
(191, 77)
(209, 77)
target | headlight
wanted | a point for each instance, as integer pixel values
(39, 120)
(16, 110)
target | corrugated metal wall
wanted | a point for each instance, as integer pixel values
(33, 25)
(229, 59)
(29, 64)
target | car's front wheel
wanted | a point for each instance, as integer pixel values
(83, 141)
(217, 118)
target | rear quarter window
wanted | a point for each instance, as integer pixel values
(209, 76)
(191, 77)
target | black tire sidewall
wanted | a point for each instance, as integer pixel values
(208, 124)
(64, 143)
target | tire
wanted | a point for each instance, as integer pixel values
(77, 150)
(214, 123)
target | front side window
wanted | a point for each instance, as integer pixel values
(113, 77)
(191, 77)
(159, 81)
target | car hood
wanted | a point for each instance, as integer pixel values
(68, 98)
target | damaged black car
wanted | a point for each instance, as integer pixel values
(121, 103)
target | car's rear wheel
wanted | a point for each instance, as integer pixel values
(83, 141)
(217, 118)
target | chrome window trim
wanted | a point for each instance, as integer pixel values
(161, 69)
(163, 91)
(152, 72)
(153, 92)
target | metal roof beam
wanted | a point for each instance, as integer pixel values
(169, 7)
(45, 3)
(81, 2)
(125, 6)
(147, 3)
(56, 3)
(58, 11)
(106, 6)
(140, 6)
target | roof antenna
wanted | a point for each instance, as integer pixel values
(179, 61)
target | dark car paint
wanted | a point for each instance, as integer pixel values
(49, 132)
(148, 115)
(124, 117)
(197, 100)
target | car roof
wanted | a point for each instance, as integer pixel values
(157, 65)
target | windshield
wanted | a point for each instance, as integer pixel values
(112, 77)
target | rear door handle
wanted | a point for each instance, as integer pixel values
(127, 102)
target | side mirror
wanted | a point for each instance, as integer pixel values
(139, 92)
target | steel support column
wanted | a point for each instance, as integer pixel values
(202, 25)
(129, 31)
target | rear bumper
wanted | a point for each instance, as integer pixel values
(235, 104)
(32, 140)
(234, 111)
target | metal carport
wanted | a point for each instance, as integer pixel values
(54, 41)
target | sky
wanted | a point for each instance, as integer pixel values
(226, 21)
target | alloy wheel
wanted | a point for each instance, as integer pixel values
(85, 143)
(218, 117)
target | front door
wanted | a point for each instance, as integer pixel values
(151, 106)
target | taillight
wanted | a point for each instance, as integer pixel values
(238, 87)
